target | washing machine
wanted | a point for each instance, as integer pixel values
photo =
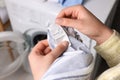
(32, 18)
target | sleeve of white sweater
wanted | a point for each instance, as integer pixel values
(110, 49)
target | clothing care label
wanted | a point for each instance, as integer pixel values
(58, 34)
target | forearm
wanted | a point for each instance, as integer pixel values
(104, 34)
(110, 49)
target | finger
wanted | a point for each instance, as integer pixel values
(69, 11)
(47, 50)
(58, 50)
(39, 48)
(41, 45)
(68, 22)
(65, 13)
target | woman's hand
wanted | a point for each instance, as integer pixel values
(80, 18)
(41, 57)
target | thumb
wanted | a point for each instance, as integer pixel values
(68, 22)
(56, 52)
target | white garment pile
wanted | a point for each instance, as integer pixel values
(76, 63)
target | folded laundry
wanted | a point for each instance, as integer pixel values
(67, 3)
(76, 63)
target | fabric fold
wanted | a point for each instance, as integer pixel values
(76, 62)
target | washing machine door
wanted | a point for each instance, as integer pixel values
(34, 35)
(12, 42)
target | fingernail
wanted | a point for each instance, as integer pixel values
(58, 20)
(65, 43)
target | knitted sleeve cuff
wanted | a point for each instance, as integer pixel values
(110, 49)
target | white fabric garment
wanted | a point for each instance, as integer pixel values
(53, 0)
(2, 3)
(3, 14)
(76, 63)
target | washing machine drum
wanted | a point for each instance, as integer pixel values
(33, 36)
